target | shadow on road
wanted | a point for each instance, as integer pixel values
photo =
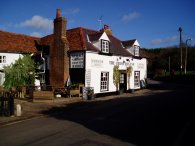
(160, 119)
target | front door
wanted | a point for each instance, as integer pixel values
(123, 82)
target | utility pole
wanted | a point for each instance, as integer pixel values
(186, 55)
(180, 31)
(169, 65)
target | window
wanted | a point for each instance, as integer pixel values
(104, 81)
(136, 50)
(2, 59)
(122, 78)
(105, 46)
(136, 79)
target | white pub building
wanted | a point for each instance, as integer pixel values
(104, 51)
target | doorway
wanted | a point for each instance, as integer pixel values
(123, 82)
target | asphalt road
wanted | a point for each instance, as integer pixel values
(162, 116)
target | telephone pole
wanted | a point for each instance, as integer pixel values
(180, 31)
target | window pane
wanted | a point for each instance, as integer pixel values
(104, 81)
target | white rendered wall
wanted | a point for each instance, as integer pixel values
(95, 64)
(10, 58)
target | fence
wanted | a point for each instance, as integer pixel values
(6, 103)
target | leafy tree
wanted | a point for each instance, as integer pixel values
(20, 73)
(129, 73)
(116, 76)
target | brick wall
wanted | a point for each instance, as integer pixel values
(59, 60)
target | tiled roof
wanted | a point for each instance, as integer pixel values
(128, 43)
(95, 36)
(79, 39)
(47, 40)
(76, 39)
(117, 48)
(12, 42)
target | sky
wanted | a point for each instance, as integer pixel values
(154, 23)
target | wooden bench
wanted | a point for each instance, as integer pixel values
(43, 96)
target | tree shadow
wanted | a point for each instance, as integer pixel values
(150, 120)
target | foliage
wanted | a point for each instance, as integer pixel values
(116, 76)
(159, 58)
(20, 73)
(129, 73)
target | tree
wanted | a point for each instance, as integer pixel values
(20, 73)
(116, 76)
(129, 73)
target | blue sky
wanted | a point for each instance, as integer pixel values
(154, 23)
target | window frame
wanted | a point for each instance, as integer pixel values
(2, 59)
(105, 46)
(136, 50)
(104, 81)
(136, 79)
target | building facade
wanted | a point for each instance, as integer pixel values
(81, 55)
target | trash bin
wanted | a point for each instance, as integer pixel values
(90, 94)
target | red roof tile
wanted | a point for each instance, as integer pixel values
(12, 42)
(78, 40)
(47, 40)
(128, 43)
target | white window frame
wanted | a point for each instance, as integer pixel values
(137, 79)
(104, 81)
(105, 45)
(136, 50)
(3, 59)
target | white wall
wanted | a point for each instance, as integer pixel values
(95, 64)
(10, 58)
(138, 65)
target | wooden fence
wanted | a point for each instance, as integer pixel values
(6, 103)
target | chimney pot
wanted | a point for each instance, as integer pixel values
(106, 26)
(58, 13)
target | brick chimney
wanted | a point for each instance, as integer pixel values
(59, 60)
(106, 29)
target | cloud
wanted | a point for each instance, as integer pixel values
(160, 41)
(38, 22)
(72, 11)
(130, 16)
(36, 34)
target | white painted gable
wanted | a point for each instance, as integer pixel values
(136, 43)
(104, 37)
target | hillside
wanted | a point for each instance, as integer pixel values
(160, 59)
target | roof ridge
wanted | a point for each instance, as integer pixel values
(19, 34)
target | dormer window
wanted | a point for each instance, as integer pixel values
(105, 45)
(136, 50)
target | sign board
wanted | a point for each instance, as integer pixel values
(77, 60)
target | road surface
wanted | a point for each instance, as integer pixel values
(163, 115)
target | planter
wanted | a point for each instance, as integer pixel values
(74, 92)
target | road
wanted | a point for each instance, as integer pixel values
(163, 115)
